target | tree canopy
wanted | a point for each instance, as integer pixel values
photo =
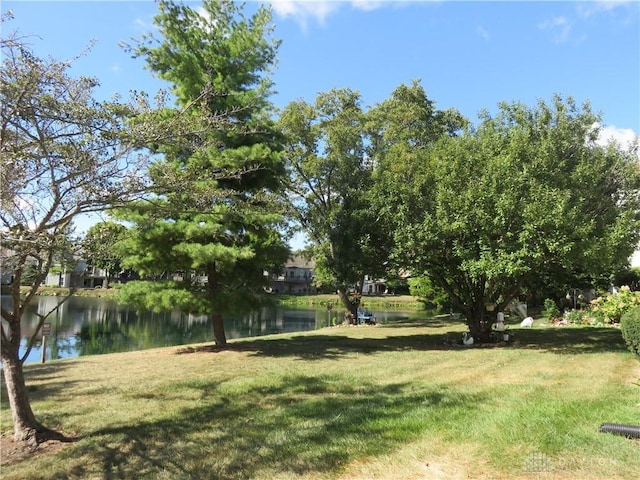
(329, 180)
(100, 248)
(528, 193)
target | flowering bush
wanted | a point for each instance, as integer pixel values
(579, 317)
(611, 307)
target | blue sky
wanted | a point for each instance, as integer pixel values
(468, 55)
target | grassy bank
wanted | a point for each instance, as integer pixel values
(372, 302)
(383, 402)
(78, 292)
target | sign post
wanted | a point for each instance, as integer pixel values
(46, 331)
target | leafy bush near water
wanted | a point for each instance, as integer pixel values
(630, 327)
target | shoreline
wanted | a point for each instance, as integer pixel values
(407, 302)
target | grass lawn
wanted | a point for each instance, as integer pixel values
(368, 402)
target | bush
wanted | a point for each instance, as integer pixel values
(551, 311)
(630, 327)
(611, 307)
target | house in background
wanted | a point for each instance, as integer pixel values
(297, 277)
(80, 276)
(373, 286)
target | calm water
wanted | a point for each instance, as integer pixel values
(91, 326)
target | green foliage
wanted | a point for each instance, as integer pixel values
(30, 274)
(611, 307)
(580, 317)
(551, 310)
(432, 295)
(628, 276)
(630, 327)
(328, 184)
(488, 212)
(100, 247)
(331, 190)
(213, 227)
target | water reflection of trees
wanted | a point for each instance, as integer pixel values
(90, 326)
(118, 331)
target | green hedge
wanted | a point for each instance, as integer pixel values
(630, 326)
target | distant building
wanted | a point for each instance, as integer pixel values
(81, 276)
(297, 277)
(373, 286)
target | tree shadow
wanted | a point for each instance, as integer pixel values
(43, 381)
(321, 346)
(572, 340)
(299, 425)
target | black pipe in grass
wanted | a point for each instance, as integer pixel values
(629, 431)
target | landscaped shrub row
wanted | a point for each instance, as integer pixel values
(630, 326)
(604, 310)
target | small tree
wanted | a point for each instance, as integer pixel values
(100, 248)
(63, 154)
(630, 328)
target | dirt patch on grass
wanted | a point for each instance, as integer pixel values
(12, 452)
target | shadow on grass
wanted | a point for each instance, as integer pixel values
(35, 375)
(319, 346)
(572, 340)
(297, 425)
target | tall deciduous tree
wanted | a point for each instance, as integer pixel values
(63, 154)
(211, 229)
(329, 180)
(529, 193)
(402, 130)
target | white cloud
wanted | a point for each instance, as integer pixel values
(483, 33)
(302, 11)
(368, 5)
(625, 12)
(141, 24)
(589, 9)
(560, 26)
(625, 137)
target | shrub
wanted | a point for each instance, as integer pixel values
(551, 311)
(611, 307)
(630, 327)
(577, 317)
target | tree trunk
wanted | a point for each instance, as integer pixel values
(218, 330)
(351, 308)
(479, 324)
(26, 429)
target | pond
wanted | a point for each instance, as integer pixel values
(91, 326)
